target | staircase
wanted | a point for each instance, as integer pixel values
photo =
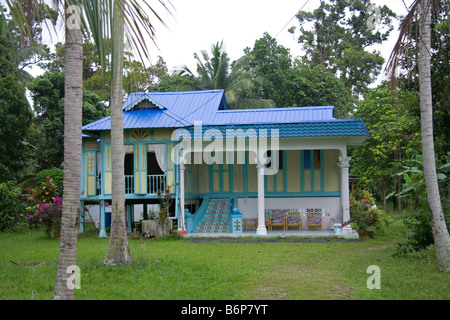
(216, 218)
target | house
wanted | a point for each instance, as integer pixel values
(224, 163)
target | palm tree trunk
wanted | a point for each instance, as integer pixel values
(118, 252)
(72, 159)
(439, 227)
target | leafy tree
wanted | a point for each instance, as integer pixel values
(12, 207)
(174, 82)
(15, 117)
(423, 9)
(137, 78)
(313, 85)
(48, 92)
(95, 77)
(295, 83)
(272, 64)
(26, 51)
(216, 72)
(393, 139)
(337, 35)
(440, 69)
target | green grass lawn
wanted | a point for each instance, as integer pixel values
(174, 268)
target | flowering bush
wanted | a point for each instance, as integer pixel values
(359, 217)
(364, 213)
(45, 206)
(49, 214)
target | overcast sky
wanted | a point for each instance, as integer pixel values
(197, 24)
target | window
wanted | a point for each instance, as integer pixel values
(307, 159)
(314, 163)
(278, 155)
(129, 166)
(312, 173)
(316, 159)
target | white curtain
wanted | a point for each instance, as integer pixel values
(99, 163)
(160, 153)
(129, 148)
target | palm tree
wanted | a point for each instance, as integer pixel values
(72, 155)
(118, 252)
(215, 72)
(130, 16)
(139, 25)
(438, 224)
(72, 133)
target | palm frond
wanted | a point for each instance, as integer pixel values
(252, 104)
(403, 39)
(401, 50)
(26, 13)
(138, 23)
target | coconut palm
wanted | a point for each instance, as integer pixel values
(23, 16)
(72, 132)
(216, 72)
(73, 100)
(93, 18)
(118, 252)
(126, 18)
(423, 8)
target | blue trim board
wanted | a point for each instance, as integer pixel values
(220, 171)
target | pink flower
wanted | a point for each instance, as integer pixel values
(31, 218)
(57, 200)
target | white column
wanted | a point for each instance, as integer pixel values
(102, 232)
(344, 164)
(182, 225)
(261, 230)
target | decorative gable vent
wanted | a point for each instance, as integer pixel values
(146, 104)
(143, 101)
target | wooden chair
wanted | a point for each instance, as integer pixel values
(293, 219)
(277, 219)
(314, 218)
(267, 218)
(249, 222)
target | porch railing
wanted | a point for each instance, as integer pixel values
(155, 182)
(129, 184)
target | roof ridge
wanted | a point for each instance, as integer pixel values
(176, 92)
(277, 109)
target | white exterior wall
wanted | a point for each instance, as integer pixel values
(249, 207)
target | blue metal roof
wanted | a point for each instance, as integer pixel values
(182, 109)
(172, 109)
(334, 128)
(275, 115)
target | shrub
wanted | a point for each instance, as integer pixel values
(45, 206)
(12, 207)
(56, 174)
(364, 213)
(376, 217)
(421, 236)
(49, 215)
